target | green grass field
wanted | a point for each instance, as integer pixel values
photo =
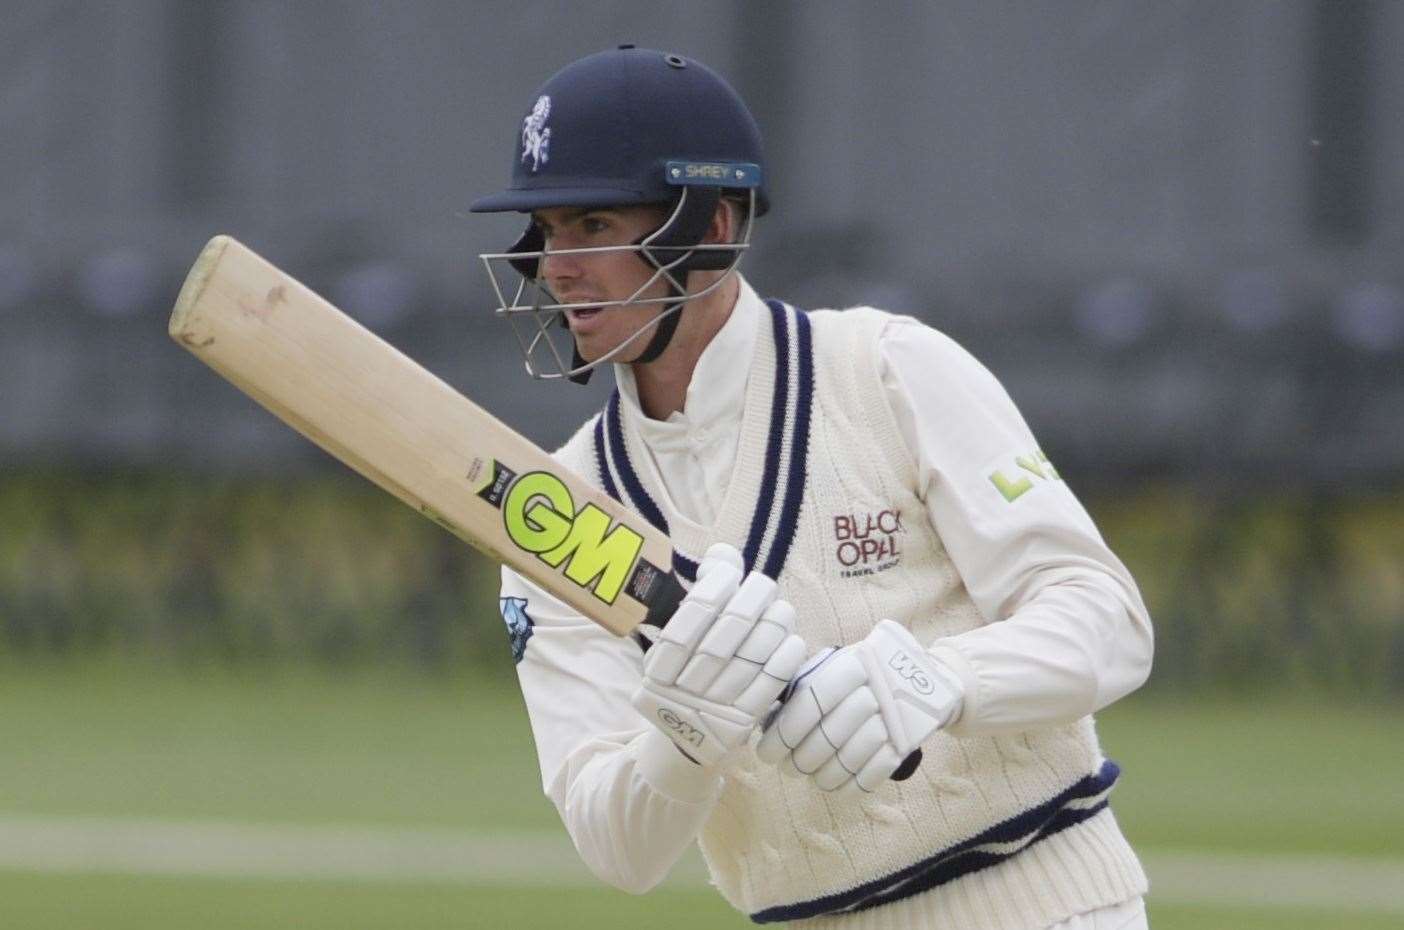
(47, 902)
(103, 743)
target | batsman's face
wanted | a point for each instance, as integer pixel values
(602, 276)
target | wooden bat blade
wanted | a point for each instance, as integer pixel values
(390, 419)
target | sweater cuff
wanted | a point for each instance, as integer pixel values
(669, 772)
(959, 666)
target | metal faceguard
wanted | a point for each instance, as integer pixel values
(671, 251)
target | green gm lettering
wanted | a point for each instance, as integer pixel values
(540, 517)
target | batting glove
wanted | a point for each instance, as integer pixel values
(857, 713)
(719, 664)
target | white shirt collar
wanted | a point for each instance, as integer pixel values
(717, 392)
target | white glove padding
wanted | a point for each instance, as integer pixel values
(856, 713)
(721, 661)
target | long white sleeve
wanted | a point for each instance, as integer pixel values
(630, 801)
(1073, 634)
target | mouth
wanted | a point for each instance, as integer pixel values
(584, 313)
(581, 318)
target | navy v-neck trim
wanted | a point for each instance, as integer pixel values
(772, 527)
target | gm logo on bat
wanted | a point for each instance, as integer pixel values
(539, 515)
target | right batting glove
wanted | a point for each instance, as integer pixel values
(719, 664)
(858, 713)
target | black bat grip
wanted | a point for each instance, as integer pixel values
(663, 602)
(908, 767)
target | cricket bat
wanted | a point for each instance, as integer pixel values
(387, 417)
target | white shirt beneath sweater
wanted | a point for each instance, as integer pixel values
(1073, 634)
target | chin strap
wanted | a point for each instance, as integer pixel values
(576, 361)
(662, 334)
(688, 228)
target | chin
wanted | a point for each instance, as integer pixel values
(596, 351)
(591, 351)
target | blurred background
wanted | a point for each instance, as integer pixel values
(237, 680)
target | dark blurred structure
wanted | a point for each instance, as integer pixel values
(1174, 230)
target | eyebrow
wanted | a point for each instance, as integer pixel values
(572, 214)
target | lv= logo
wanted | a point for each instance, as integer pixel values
(1027, 470)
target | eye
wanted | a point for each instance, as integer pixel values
(594, 225)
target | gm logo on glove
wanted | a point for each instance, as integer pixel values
(909, 669)
(681, 728)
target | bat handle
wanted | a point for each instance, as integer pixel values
(909, 766)
(665, 600)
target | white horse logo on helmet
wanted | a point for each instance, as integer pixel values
(536, 137)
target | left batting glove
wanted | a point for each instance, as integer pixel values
(720, 663)
(857, 713)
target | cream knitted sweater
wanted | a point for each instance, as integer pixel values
(1009, 831)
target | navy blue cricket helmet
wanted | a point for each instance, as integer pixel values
(602, 131)
(624, 127)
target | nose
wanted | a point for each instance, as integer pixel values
(557, 267)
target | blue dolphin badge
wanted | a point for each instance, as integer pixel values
(519, 624)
